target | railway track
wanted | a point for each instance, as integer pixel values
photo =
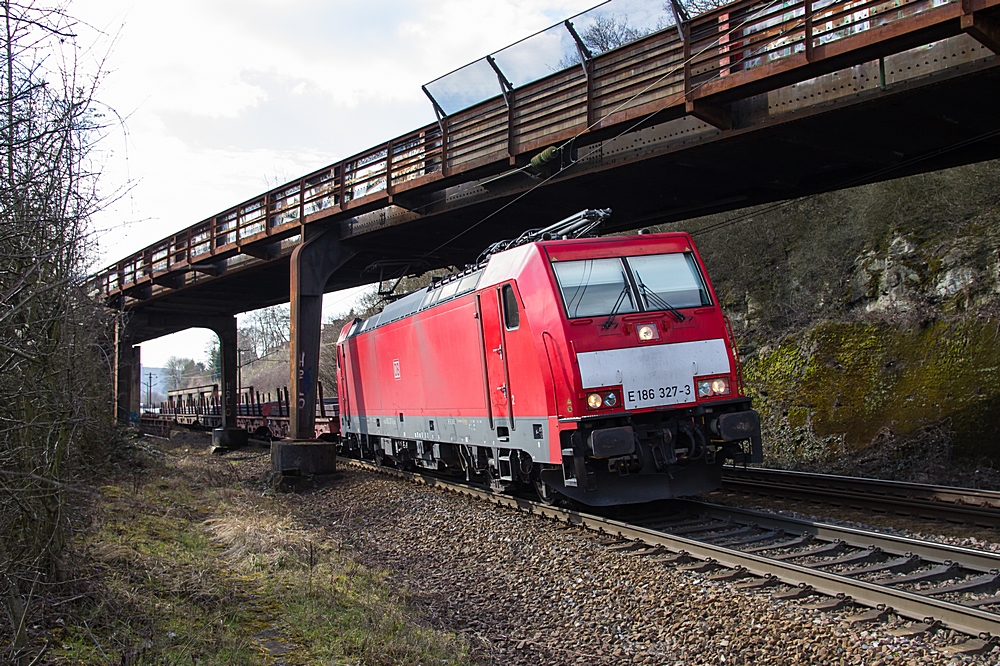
(955, 505)
(829, 567)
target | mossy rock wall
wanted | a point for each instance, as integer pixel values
(831, 389)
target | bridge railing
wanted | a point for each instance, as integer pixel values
(742, 43)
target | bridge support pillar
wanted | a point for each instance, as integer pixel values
(312, 263)
(229, 435)
(128, 380)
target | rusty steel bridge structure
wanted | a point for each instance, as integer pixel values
(756, 101)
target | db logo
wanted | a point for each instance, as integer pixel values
(395, 368)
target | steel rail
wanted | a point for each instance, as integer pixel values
(966, 505)
(964, 619)
(969, 558)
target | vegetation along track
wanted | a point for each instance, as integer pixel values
(828, 566)
(954, 505)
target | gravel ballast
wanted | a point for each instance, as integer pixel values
(526, 590)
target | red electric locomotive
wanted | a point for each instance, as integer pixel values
(601, 369)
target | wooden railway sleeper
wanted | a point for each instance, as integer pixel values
(928, 625)
(791, 543)
(704, 527)
(986, 601)
(870, 554)
(880, 613)
(835, 603)
(908, 562)
(757, 538)
(737, 573)
(767, 580)
(974, 646)
(666, 526)
(800, 591)
(835, 546)
(941, 572)
(738, 531)
(989, 580)
(681, 557)
(701, 567)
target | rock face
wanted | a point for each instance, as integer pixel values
(910, 350)
(837, 386)
(952, 277)
(868, 313)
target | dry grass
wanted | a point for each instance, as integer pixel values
(188, 561)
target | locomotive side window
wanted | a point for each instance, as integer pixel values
(511, 316)
(671, 279)
(594, 287)
(448, 290)
(469, 282)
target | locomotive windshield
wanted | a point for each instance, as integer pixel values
(596, 287)
(671, 278)
(593, 287)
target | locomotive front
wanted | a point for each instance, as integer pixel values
(656, 403)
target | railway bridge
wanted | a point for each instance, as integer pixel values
(753, 102)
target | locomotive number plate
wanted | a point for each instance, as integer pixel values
(641, 388)
(683, 393)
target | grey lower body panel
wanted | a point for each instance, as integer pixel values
(530, 434)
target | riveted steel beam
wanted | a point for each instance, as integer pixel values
(983, 29)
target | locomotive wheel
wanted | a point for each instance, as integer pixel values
(545, 493)
(379, 457)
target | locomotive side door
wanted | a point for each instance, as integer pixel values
(498, 314)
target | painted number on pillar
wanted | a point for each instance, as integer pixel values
(305, 380)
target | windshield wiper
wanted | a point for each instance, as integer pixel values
(609, 322)
(650, 295)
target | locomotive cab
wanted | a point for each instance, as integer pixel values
(658, 405)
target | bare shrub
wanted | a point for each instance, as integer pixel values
(54, 388)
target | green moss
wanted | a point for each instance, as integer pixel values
(849, 381)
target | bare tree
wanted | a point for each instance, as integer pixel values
(695, 7)
(265, 330)
(185, 372)
(54, 389)
(609, 32)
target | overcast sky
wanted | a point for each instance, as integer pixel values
(223, 99)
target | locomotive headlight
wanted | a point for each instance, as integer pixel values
(594, 400)
(646, 332)
(610, 399)
(709, 387)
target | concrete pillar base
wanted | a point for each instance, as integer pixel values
(303, 458)
(226, 439)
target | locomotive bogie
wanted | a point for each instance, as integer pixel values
(600, 369)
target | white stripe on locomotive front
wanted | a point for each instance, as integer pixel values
(644, 370)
